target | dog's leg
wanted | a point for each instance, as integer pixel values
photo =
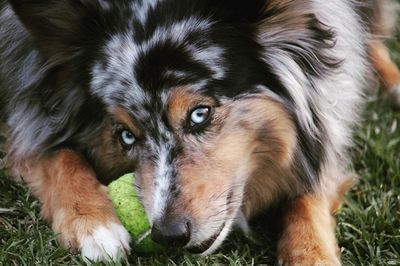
(387, 70)
(77, 207)
(308, 236)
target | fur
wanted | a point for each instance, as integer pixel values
(283, 81)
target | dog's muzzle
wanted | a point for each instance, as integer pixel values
(171, 232)
(176, 233)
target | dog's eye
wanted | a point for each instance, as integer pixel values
(200, 115)
(127, 138)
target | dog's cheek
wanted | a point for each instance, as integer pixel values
(273, 156)
(202, 193)
(251, 155)
(212, 179)
(203, 199)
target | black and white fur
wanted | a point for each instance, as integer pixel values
(65, 66)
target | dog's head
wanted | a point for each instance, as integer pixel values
(196, 97)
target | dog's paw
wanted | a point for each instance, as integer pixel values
(97, 239)
(302, 258)
(106, 243)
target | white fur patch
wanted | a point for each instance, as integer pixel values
(224, 233)
(105, 244)
(242, 223)
(162, 174)
(212, 57)
(163, 187)
(142, 9)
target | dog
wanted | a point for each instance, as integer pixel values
(222, 109)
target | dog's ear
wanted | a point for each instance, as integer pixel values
(60, 28)
(291, 28)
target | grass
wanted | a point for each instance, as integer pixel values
(368, 224)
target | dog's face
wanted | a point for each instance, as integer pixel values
(196, 155)
(196, 124)
(189, 104)
(196, 109)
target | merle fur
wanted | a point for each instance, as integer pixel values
(60, 40)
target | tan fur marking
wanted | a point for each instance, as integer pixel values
(386, 68)
(308, 237)
(274, 155)
(200, 190)
(181, 101)
(124, 118)
(146, 182)
(73, 200)
(342, 188)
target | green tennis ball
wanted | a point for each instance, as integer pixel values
(131, 213)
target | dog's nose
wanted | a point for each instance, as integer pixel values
(171, 233)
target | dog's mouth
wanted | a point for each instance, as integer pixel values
(201, 248)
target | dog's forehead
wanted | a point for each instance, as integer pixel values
(133, 72)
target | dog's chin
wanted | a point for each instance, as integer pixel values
(206, 245)
(211, 244)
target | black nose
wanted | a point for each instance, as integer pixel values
(171, 233)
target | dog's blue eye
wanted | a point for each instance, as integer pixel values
(127, 138)
(200, 115)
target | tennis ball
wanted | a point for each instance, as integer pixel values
(131, 213)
